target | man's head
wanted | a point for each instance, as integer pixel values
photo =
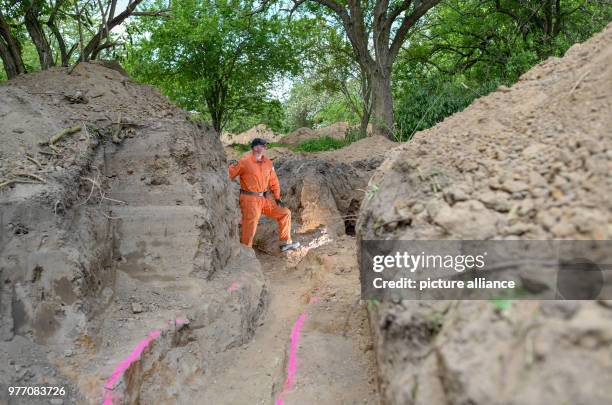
(258, 145)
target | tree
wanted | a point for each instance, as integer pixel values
(32, 11)
(10, 50)
(388, 23)
(501, 39)
(337, 71)
(215, 56)
(52, 24)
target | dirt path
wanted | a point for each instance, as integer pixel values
(299, 353)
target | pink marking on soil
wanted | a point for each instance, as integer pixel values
(292, 364)
(233, 287)
(127, 362)
(295, 338)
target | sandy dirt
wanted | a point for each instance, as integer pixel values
(243, 138)
(528, 162)
(334, 362)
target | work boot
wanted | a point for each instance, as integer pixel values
(289, 246)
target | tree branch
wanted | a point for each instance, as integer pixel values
(407, 23)
(158, 13)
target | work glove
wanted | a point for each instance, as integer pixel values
(233, 162)
(280, 203)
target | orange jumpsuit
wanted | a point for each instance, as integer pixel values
(257, 176)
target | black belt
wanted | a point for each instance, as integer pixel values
(262, 194)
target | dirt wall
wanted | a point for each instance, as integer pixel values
(123, 223)
(529, 162)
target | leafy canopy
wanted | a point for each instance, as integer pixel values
(218, 57)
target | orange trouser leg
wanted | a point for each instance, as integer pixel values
(281, 215)
(251, 207)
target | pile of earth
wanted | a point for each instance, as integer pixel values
(338, 130)
(244, 138)
(528, 162)
(117, 215)
(365, 154)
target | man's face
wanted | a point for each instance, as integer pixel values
(258, 149)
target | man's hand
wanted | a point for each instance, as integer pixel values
(233, 162)
(280, 203)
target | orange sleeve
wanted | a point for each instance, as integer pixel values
(274, 184)
(234, 170)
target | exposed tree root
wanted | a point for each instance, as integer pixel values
(58, 137)
(44, 152)
(31, 159)
(95, 183)
(15, 181)
(30, 175)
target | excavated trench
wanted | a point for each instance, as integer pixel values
(122, 276)
(199, 317)
(308, 339)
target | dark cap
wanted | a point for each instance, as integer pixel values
(258, 141)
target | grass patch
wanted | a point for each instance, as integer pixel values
(321, 144)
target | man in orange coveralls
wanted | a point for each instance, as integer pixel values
(256, 175)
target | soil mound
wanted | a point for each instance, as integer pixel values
(116, 211)
(531, 162)
(298, 136)
(336, 130)
(365, 154)
(258, 131)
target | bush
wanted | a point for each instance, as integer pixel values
(353, 134)
(422, 105)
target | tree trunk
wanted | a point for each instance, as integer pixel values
(216, 112)
(10, 51)
(7, 60)
(382, 103)
(363, 125)
(64, 57)
(45, 56)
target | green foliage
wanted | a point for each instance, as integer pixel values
(372, 191)
(498, 40)
(321, 144)
(373, 304)
(217, 57)
(423, 104)
(329, 91)
(501, 305)
(337, 74)
(309, 105)
(272, 113)
(353, 134)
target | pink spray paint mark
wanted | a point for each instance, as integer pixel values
(233, 287)
(127, 362)
(292, 364)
